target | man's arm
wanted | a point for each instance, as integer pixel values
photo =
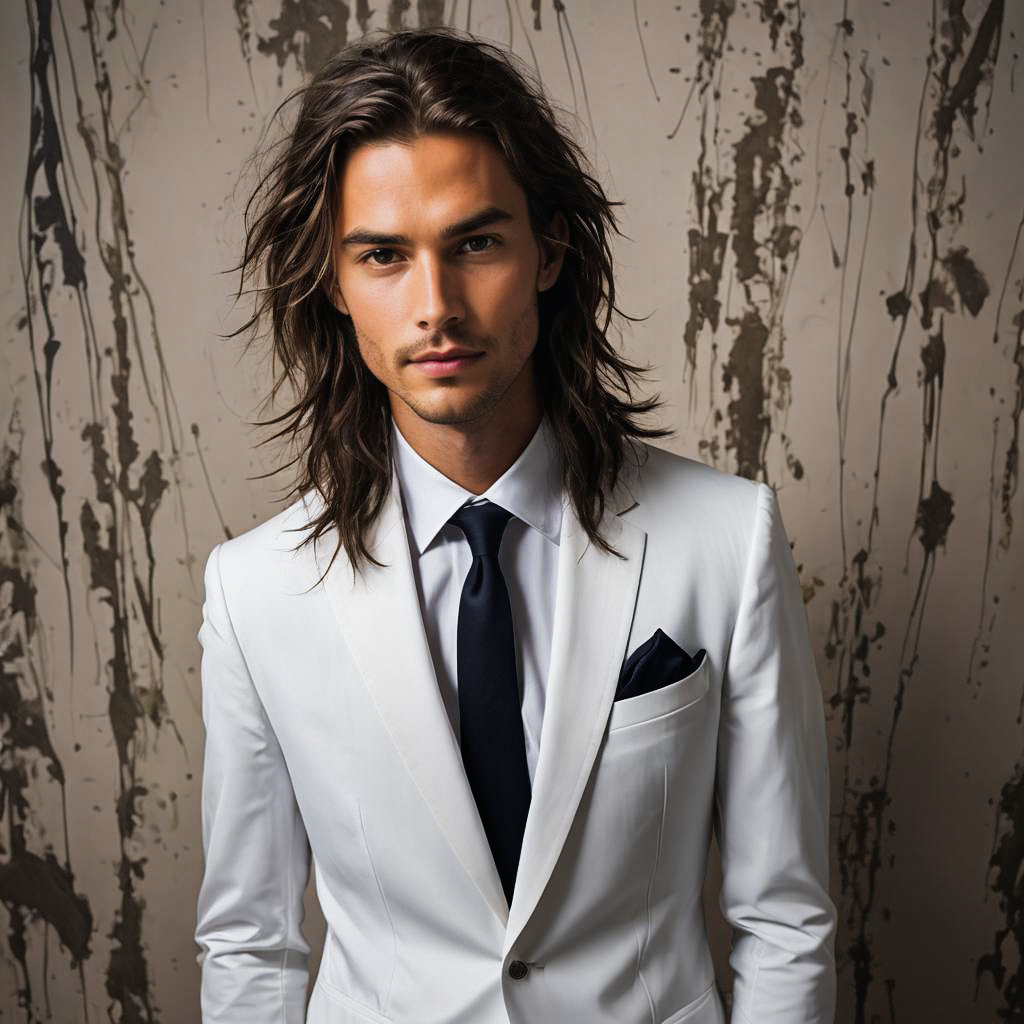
(772, 796)
(254, 959)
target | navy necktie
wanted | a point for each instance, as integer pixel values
(490, 719)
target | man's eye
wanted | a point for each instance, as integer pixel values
(387, 257)
(480, 243)
(379, 257)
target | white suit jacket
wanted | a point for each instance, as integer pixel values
(326, 735)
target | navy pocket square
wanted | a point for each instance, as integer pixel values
(654, 664)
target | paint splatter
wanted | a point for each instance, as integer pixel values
(1011, 464)
(707, 240)
(306, 31)
(50, 232)
(33, 885)
(396, 14)
(243, 28)
(1007, 881)
(761, 234)
(855, 124)
(953, 81)
(573, 65)
(969, 281)
(121, 513)
(129, 484)
(430, 13)
(209, 484)
(981, 641)
(764, 243)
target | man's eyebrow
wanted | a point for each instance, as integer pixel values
(474, 222)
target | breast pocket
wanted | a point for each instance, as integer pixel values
(667, 700)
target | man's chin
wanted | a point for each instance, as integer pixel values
(452, 411)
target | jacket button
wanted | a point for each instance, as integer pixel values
(517, 970)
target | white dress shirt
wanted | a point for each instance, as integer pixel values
(531, 489)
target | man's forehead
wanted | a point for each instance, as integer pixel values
(434, 178)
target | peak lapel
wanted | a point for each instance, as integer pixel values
(401, 681)
(594, 604)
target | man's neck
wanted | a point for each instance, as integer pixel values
(473, 454)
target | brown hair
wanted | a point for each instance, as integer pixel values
(392, 89)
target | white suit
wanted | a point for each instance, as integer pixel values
(326, 733)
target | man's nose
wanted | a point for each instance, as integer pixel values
(437, 294)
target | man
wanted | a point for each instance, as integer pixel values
(501, 667)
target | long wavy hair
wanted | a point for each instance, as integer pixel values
(393, 89)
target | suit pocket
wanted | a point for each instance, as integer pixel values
(360, 970)
(667, 700)
(355, 1013)
(706, 1005)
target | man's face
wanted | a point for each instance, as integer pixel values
(439, 268)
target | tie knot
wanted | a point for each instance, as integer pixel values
(483, 526)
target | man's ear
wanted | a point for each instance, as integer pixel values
(554, 240)
(333, 293)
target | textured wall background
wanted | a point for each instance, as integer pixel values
(824, 210)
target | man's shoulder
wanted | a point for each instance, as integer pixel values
(664, 478)
(695, 512)
(272, 542)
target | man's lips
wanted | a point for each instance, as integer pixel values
(446, 362)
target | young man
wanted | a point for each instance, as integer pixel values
(502, 666)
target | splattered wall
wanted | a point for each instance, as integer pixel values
(823, 211)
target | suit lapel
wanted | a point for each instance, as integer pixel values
(594, 604)
(379, 616)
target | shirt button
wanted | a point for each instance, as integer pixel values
(517, 970)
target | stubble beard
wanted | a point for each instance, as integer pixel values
(477, 405)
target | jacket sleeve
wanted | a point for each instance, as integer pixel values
(254, 957)
(772, 796)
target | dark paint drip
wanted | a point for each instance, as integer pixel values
(743, 374)
(864, 822)
(707, 241)
(1007, 873)
(960, 98)
(765, 246)
(396, 14)
(643, 50)
(853, 629)
(209, 484)
(859, 830)
(1011, 464)
(127, 980)
(50, 224)
(128, 486)
(33, 886)
(960, 75)
(363, 14)
(714, 25)
(983, 633)
(564, 34)
(430, 13)
(308, 31)
(851, 120)
(243, 27)
(970, 282)
(865, 825)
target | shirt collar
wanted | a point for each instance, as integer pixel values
(531, 488)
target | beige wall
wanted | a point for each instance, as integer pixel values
(823, 223)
